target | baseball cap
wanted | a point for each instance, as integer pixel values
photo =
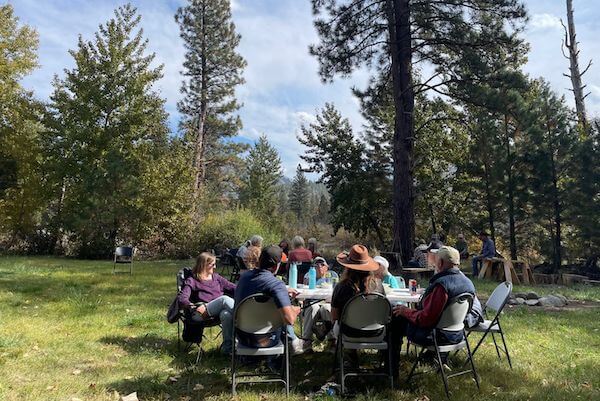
(269, 257)
(449, 254)
(320, 259)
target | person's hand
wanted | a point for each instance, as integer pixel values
(398, 310)
(292, 292)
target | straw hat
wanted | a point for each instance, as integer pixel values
(358, 259)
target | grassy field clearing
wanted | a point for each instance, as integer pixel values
(69, 329)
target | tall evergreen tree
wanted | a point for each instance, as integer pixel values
(299, 194)
(107, 125)
(394, 35)
(212, 70)
(260, 181)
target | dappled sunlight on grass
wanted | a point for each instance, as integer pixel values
(71, 328)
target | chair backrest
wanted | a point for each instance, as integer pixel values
(499, 297)
(257, 314)
(124, 251)
(182, 275)
(366, 312)
(401, 282)
(454, 313)
(240, 263)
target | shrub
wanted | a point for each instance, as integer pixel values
(231, 228)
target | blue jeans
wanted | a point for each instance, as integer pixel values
(222, 308)
(475, 265)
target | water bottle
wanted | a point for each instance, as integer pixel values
(312, 278)
(293, 277)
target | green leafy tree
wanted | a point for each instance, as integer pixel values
(394, 35)
(212, 70)
(21, 178)
(107, 127)
(299, 195)
(260, 182)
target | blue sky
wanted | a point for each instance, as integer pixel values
(282, 87)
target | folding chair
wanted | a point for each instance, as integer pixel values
(123, 255)
(238, 266)
(401, 281)
(184, 315)
(452, 319)
(497, 301)
(364, 324)
(258, 315)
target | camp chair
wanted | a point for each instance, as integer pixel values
(258, 315)
(123, 255)
(497, 301)
(452, 319)
(364, 324)
(238, 266)
(401, 281)
(185, 315)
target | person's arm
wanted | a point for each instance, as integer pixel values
(226, 285)
(290, 313)
(335, 314)
(184, 296)
(433, 306)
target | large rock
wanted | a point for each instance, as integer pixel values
(520, 301)
(565, 300)
(551, 300)
(532, 295)
(520, 295)
(532, 302)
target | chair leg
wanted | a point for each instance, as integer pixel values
(470, 356)
(178, 336)
(504, 343)
(287, 367)
(341, 358)
(441, 366)
(199, 355)
(414, 367)
(390, 366)
(233, 367)
(496, 345)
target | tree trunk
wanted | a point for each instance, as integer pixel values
(570, 42)
(403, 194)
(510, 193)
(488, 198)
(555, 198)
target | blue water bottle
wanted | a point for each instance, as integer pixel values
(312, 278)
(293, 277)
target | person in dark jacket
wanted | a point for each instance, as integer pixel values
(213, 293)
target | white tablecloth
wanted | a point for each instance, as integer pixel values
(393, 295)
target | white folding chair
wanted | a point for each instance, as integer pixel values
(258, 315)
(496, 302)
(364, 325)
(452, 319)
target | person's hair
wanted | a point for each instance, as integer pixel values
(297, 242)
(202, 262)
(256, 240)
(284, 241)
(385, 269)
(362, 281)
(483, 234)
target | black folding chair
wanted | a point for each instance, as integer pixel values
(452, 319)
(123, 255)
(186, 315)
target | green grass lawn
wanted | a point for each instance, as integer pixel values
(70, 329)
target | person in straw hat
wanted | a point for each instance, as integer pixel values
(447, 283)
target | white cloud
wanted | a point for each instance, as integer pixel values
(544, 21)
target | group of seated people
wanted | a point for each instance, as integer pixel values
(361, 274)
(249, 251)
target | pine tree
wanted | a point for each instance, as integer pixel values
(394, 35)
(299, 196)
(107, 126)
(212, 71)
(260, 181)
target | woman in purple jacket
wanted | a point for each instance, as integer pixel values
(209, 289)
